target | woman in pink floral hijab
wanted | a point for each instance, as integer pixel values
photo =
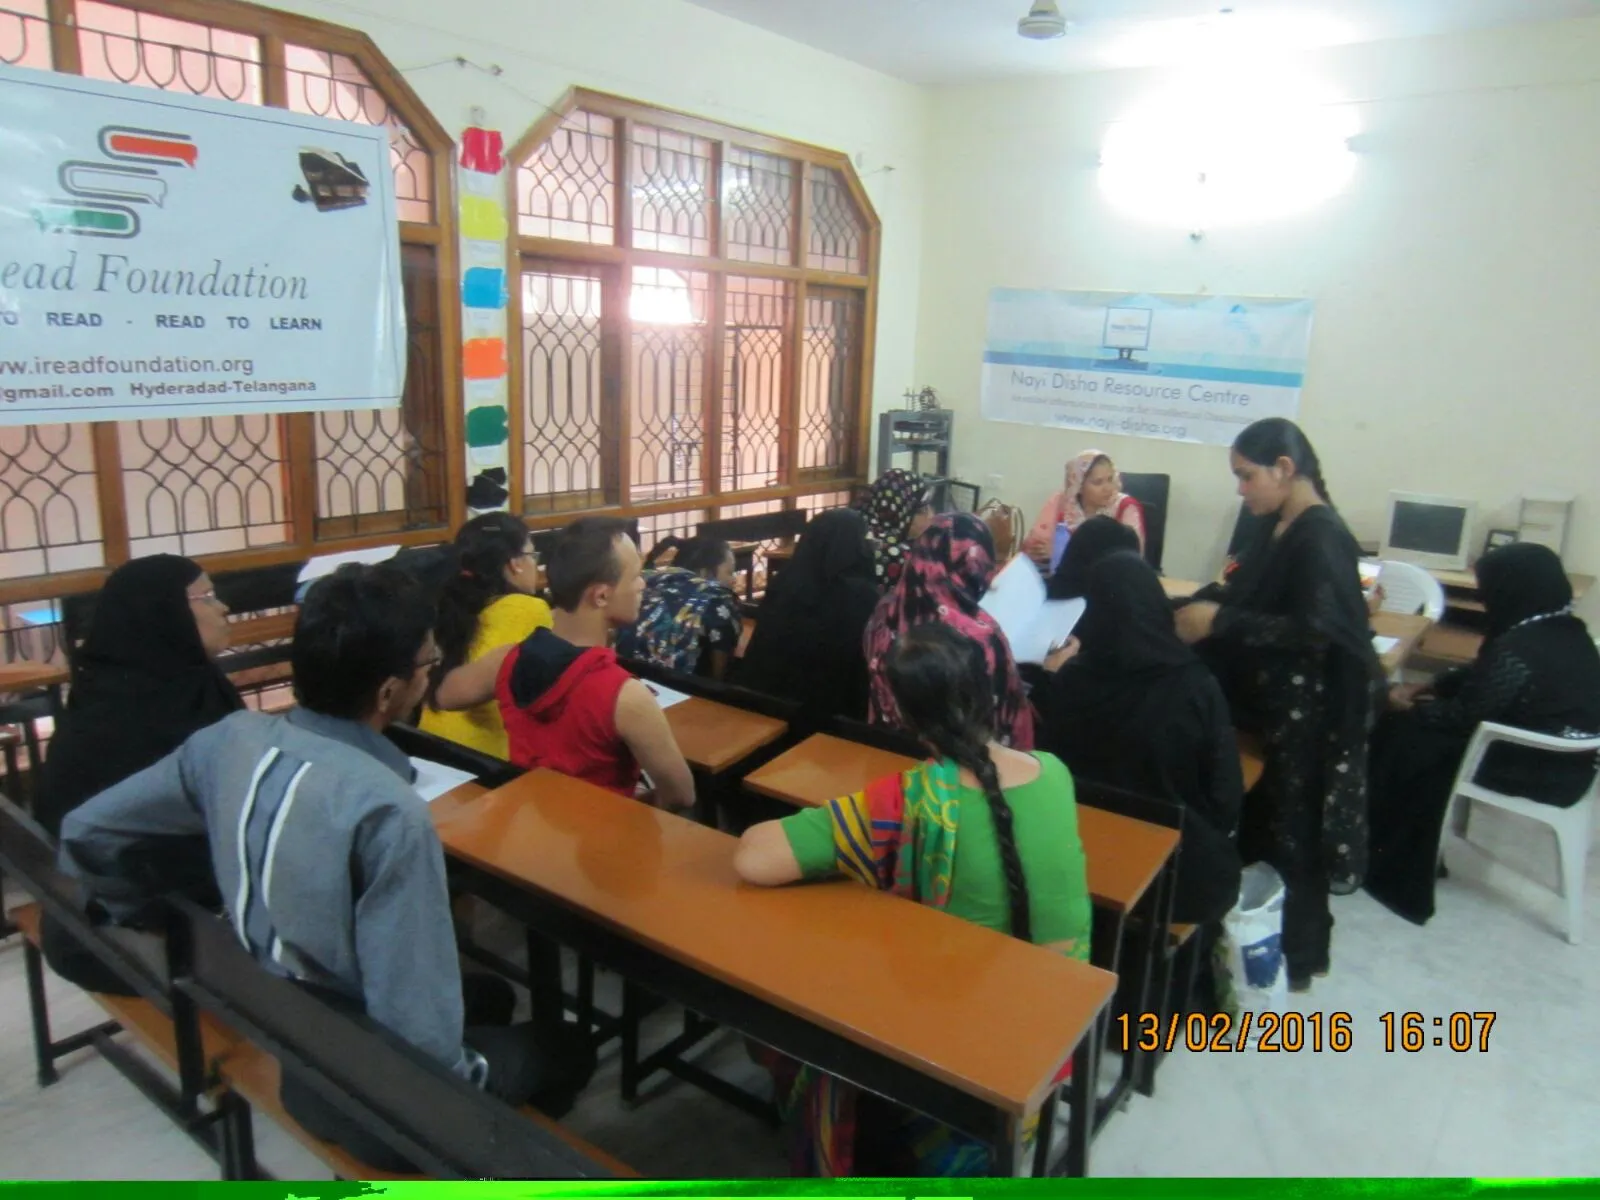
(946, 573)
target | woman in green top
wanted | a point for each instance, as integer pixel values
(984, 832)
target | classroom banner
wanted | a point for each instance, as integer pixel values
(165, 255)
(1179, 368)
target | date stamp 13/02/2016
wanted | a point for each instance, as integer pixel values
(1296, 1033)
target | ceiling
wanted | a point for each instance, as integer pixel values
(950, 41)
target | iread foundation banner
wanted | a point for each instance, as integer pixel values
(164, 255)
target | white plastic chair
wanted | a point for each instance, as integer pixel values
(1572, 826)
(1409, 589)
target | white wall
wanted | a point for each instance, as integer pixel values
(673, 54)
(1457, 279)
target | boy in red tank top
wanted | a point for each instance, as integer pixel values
(566, 701)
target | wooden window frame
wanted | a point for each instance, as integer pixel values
(275, 30)
(622, 257)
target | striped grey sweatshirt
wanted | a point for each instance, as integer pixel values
(326, 858)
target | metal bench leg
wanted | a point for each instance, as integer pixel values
(238, 1139)
(39, 1009)
(629, 1065)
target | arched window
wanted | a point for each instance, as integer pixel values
(244, 490)
(694, 319)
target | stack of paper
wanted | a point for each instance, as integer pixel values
(435, 779)
(666, 697)
(1033, 624)
(327, 564)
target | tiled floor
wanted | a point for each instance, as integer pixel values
(1528, 1107)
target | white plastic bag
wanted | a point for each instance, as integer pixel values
(1250, 970)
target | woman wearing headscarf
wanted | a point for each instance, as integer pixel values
(946, 574)
(1288, 636)
(1093, 488)
(1538, 670)
(1096, 538)
(897, 511)
(1136, 709)
(143, 680)
(807, 644)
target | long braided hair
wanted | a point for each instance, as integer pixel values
(484, 547)
(940, 680)
(1266, 441)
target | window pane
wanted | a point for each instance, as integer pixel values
(670, 345)
(24, 36)
(754, 367)
(204, 485)
(830, 381)
(838, 234)
(675, 524)
(561, 389)
(671, 191)
(568, 188)
(758, 206)
(381, 470)
(334, 86)
(176, 56)
(49, 515)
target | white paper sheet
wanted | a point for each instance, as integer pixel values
(1384, 644)
(1032, 624)
(666, 697)
(327, 564)
(435, 779)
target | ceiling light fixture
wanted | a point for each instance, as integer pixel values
(1043, 22)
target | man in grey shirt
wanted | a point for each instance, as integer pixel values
(325, 856)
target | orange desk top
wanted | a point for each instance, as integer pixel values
(715, 736)
(822, 768)
(25, 676)
(975, 1009)
(1123, 855)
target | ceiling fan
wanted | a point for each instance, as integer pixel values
(1043, 22)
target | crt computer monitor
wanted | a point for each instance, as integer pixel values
(1430, 531)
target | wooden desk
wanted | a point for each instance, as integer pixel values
(1467, 581)
(1407, 627)
(822, 768)
(715, 736)
(954, 1020)
(26, 676)
(1123, 855)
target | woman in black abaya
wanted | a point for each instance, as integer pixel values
(1538, 670)
(143, 681)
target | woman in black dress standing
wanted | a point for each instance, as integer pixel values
(1288, 636)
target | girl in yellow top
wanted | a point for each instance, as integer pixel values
(487, 604)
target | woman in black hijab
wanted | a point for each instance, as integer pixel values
(1093, 540)
(1136, 709)
(143, 680)
(1538, 670)
(807, 643)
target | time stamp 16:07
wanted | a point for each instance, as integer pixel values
(1295, 1033)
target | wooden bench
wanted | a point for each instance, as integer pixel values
(219, 1063)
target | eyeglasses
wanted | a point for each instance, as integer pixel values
(206, 597)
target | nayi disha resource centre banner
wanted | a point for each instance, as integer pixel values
(165, 255)
(1180, 368)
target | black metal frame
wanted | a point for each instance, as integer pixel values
(28, 853)
(725, 1004)
(443, 1124)
(1144, 930)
